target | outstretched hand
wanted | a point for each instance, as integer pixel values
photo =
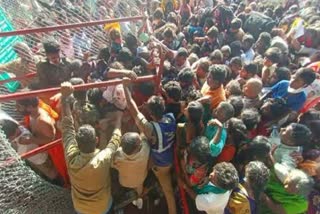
(66, 89)
(126, 81)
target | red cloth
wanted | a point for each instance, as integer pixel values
(227, 154)
(56, 153)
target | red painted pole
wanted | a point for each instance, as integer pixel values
(23, 95)
(30, 75)
(68, 26)
(40, 149)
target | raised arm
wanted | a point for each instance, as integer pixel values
(116, 73)
(143, 124)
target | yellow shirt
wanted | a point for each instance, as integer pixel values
(89, 173)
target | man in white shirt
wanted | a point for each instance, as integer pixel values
(214, 196)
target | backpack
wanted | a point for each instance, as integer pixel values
(257, 23)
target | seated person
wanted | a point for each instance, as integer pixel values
(246, 197)
(216, 130)
(251, 91)
(214, 85)
(214, 196)
(293, 92)
(131, 161)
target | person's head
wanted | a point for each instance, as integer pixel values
(257, 176)
(86, 139)
(131, 143)
(173, 91)
(216, 57)
(281, 73)
(272, 56)
(236, 25)
(200, 150)
(236, 49)
(249, 71)
(247, 42)
(225, 176)
(226, 51)
(52, 50)
(263, 42)
(237, 103)
(78, 95)
(299, 183)
(156, 107)
(195, 48)
(212, 34)
(302, 78)
(131, 41)
(158, 15)
(9, 128)
(27, 106)
(186, 77)
(223, 112)
(235, 65)
(307, 117)
(252, 88)
(168, 36)
(216, 76)
(125, 57)
(23, 51)
(237, 130)
(295, 135)
(203, 68)
(194, 112)
(181, 57)
(115, 36)
(233, 88)
(251, 118)
(274, 109)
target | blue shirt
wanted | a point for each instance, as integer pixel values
(294, 101)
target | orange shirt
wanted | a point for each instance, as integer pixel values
(217, 96)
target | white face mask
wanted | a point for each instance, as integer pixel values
(295, 91)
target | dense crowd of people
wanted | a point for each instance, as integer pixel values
(234, 126)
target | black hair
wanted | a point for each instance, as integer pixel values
(129, 142)
(216, 55)
(307, 74)
(8, 127)
(32, 101)
(236, 61)
(79, 95)
(273, 54)
(283, 73)
(86, 138)
(278, 108)
(258, 149)
(104, 54)
(200, 149)
(156, 106)
(266, 38)
(131, 40)
(51, 46)
(301, 134)
(196, 110)
(236, 48)
(226, 176)
(195, 48)
(237, 129)
(251, 68)
(213, 32)
(248, 38)
(218, 73)
(237, 103)
(307, 117)
(95, 96)
(182, 52)
(251, 118)
(158, 14)
(173, 90)
(168, 32)
(186, 75)
(124, 55)
(236, 23)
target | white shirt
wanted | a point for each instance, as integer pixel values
(212, 203)
(248, 56)
(282, 155)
